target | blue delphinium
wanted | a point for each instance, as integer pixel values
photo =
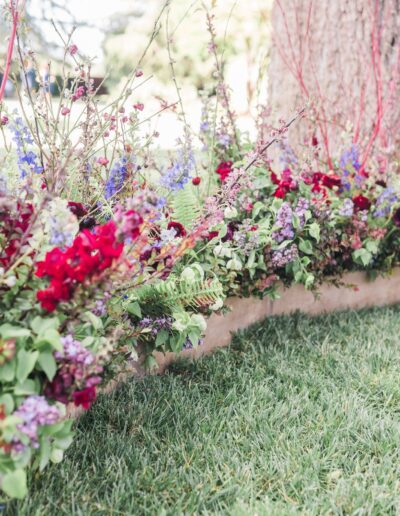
(385, 201)
(27, 159)
(179, 173)
(117, 177)
(350, 162)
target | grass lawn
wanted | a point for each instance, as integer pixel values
(300, 416)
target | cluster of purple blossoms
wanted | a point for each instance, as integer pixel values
(117, 177)
(27, 159)
(347, 208)
(385, 201)
(157, 324)
(34, 412)
(176, 177)
(287, 255)
(100, 308)
(300, 210)
(284, 224)
(350, 162)
(77, 369)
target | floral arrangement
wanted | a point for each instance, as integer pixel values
(108, 254)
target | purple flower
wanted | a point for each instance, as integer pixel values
(27, 159)
(284, 224)
(282, 257)
(179, 173)
(347, 209)
(117, 177)
(34, 413)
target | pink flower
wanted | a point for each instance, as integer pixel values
(103, 161)
(139, 73)
(65, 111)
(139, 106)
(73, 49)
(4, 120)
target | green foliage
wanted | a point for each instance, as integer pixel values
(186, 206)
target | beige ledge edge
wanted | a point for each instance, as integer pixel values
(363, 293)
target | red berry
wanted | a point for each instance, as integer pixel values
(196, 180)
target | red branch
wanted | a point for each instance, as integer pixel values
(11, 43)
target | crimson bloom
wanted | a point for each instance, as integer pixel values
(84, 397)
(90, 254)
(180, 231)
(361, 203)
(224, 169)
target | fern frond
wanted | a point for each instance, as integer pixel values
(173, 292)
(186, 207)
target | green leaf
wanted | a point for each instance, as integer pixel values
(95, 321)
(7, 331)
(314, 231)
(362, 256)
(162, 337)
(26, 361)
(45, 450)
(26, 388)
(14, 484)
(8, 401)
(50, 336)
(306, 247)
(48, 364)
(40, 325)
(134, 309)
(7, 371)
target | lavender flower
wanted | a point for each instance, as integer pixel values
(284, 224)
(74, 352)
(347, 209)
(282, 257)
(300, 210)
(178, 174)
(117, 177)
(27, 159)
(349, 161)
(156, 324)
(34, 413)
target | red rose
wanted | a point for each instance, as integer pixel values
(361, 203)
(85, 397)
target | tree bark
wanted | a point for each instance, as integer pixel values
(343, 57)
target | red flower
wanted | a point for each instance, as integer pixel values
(224, 169)
(84, 397)
(179, 229)
(89, 255)
(132, 222)
(196, 181)
(331, 181)
(280, 192)
(77, 208)
(212, 234)
(361, 203)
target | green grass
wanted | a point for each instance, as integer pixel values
(300, 416)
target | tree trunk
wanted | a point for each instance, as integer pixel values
(343, 57)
